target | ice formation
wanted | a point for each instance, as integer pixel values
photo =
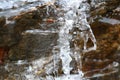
(74, 15)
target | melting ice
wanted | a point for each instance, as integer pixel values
(74, 16)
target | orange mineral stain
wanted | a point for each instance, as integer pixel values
(49, 20)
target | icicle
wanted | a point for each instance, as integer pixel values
(64, 38)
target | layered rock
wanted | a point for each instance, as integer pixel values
(34, 46)
(100, 7)
(20, 44)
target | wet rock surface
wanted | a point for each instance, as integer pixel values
(17, 44)
(34, 46)
(107, 53)
(107, 50)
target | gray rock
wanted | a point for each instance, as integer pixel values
(34, 46)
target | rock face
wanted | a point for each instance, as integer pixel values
(107, 35)
(19, 41)
(34, 46)
(11, 30)
(11, 33)
(107, 51)
(100, 7)
(5, 39)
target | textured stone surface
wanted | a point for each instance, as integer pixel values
(29, 46)
(34, 46)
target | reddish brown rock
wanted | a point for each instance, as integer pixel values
(3, 54)
(108, 41)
